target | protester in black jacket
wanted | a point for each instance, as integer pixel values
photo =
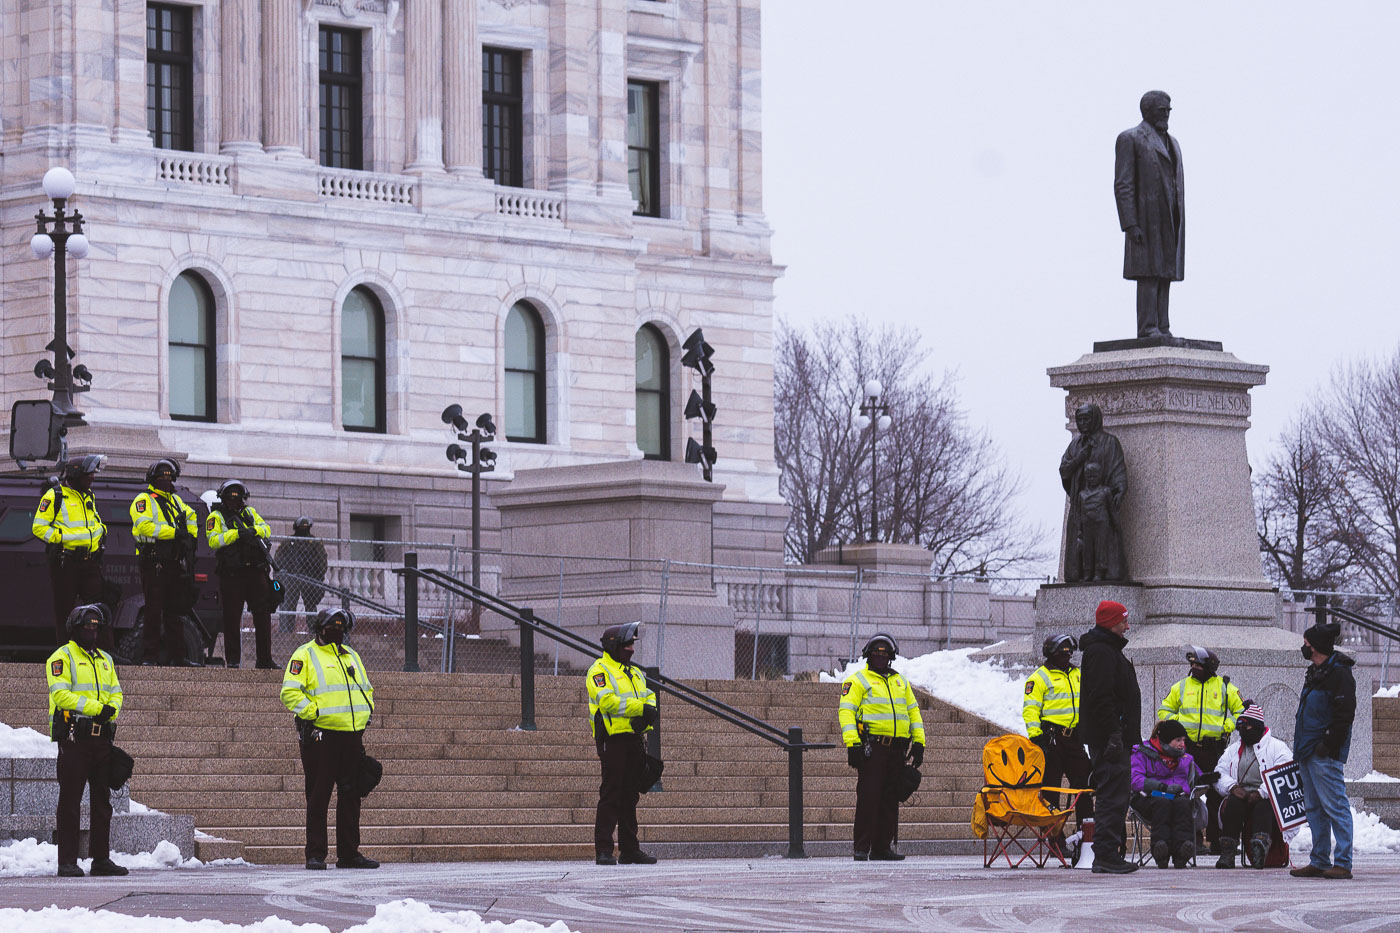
(1111, 723)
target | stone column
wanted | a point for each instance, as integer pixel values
(129, 18)
(241, 88)
(284, 104)
(721, 111)
(573, 93)
(612, 102)
(750, 87)
(461, 87)
(423, 87)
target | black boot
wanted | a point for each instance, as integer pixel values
(1228, 846)
(1161, 853)
(1183, 855)
(1259, 845)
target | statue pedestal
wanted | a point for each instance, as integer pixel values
(1194, 576)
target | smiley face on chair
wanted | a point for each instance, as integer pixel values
(1012, 761)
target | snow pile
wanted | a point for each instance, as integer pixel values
(984, 688)
(405, 916)
(1369, 836)
(29, 857)
(25, 743)
(1379, 777)
(1392, 691)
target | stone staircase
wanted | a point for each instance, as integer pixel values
(462, 782)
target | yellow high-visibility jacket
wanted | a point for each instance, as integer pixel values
(329, 687)
(82, 682)
(1207, 710)
(1051, 696)
(617, 693)
(221, 532)
(879, 704)
(148, 521)
(68, 517)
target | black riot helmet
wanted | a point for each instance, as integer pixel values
(1057, 643)
(880, 638)
(615, 636)
(327, 617)
(232, 488)
(302, 526)
(92, 612)
(162, 464)
(87, 466)
(1206, 658)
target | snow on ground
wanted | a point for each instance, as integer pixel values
(405, 916)
(1369, 836)
(30, 858)
(1392, 691)
(1379, 777)
(25, 743)
(986, 688)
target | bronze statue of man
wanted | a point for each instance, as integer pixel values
(1148, 186)
(1093, 536)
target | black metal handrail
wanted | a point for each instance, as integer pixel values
(1322, 610)
(791, 739)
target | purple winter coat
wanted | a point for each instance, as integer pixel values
(1148, 763)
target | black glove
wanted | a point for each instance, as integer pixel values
(1207, 779)
(916, 754)
(1114, 748)
(648, 717)
(1152, 784)
(107, 713)
(1041, 742)
(855, 756)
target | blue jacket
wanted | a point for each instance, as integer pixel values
(1326, 710)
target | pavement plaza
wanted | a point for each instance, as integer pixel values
(718, 895)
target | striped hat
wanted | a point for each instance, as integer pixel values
(1252, 711)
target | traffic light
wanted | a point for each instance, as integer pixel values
(699, 406)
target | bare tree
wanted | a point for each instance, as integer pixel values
(941, 483)
(1301, 545)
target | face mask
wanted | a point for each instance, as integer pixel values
(1200, 674)
(623, 653)
(86, 637)
(333, 635)
(879, 661)
(1306, 652)
(1251, 736)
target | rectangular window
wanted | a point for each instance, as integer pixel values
(170, 76)
(372, 538)
(342, 99)
(644, 146)
(502, 110)
(769, 663)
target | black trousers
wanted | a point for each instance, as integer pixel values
(877, 797)
(1171, 820)
(83, 764)
(622, 757)
(1065, 757)
(310, 597)
(1206, 753)
(159, 580)
(1243, 818)
(237, 586)
(76, 580)
(1112, 783)
(332, 761)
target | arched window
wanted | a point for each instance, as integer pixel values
(524, 375)
(362, 362)
(653, 394)
(191, 349)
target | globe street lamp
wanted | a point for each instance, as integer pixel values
(873, 414)
(58, 242)
(479, 460)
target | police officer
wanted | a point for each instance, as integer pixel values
(166, 532)
(882, 727)
(1051, 712)
(1206, 704)
(84, 700)
(327, 688)
(68, 523)
(234, 528)
(303, 561)
(621, 707)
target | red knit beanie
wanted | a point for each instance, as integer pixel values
(1110, 613)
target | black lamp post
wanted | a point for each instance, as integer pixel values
(481, 460)
(874, 414)
(59, 242)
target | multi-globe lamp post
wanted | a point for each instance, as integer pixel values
(59, 235)
(873, 413)
(479, 460)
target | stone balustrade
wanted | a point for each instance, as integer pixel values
(393, 190)
(531, 205)
(187, 169)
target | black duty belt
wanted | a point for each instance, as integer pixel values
(886, 739)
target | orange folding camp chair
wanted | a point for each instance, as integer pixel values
(1010, 816)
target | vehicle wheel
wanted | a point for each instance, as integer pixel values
(130, 644)
(196, 639)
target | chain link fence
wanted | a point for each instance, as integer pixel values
(1370, 649)
(784, 620)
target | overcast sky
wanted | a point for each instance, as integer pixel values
(949, 165)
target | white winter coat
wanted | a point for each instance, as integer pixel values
(1270, 752)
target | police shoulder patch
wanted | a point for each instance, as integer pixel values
(294, 667)
(1030, 685)
(600, 680)
(141, 504)
(45, 503)
(209, 525)
(56, 668)
(846, 688)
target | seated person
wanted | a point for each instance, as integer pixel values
(1246, 815)
(1163, 775)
